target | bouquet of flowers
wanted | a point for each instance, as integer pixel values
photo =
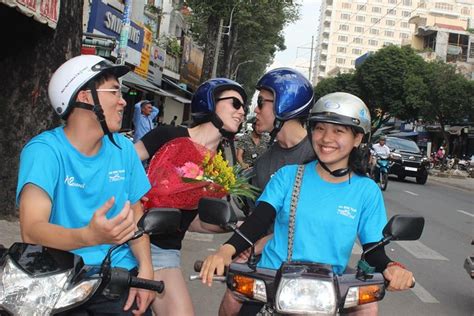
(182, 172)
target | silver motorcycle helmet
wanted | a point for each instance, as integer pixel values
(341, 108)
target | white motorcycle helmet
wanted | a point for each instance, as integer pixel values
(73, 75)
(344, 109)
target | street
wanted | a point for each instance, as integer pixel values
(443, 286)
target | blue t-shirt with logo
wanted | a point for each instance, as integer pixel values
(329, 217)
(78, 185)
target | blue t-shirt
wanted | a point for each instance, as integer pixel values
(329, 217)
(78, 185)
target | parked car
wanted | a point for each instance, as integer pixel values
(408, 159)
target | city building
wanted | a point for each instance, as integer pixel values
(349, 29)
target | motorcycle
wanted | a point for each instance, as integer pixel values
(38, 280)
(305, 287)
(381, 171)
(469, 264)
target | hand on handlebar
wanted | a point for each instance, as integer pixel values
(216, 263)
(399, 278)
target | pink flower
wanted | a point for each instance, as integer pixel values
(191, 170)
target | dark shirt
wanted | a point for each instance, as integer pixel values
(153, 141)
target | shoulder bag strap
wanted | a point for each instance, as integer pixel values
(294, 202)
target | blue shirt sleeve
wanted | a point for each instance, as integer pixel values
(374, 216)
(277, 188)
(37, 167)
(136, 113)
(154, 113)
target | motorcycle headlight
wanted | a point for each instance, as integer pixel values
(306, 296)
(23, 294)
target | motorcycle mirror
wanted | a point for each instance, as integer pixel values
(404, 227)
(160, 221)
(216, 212)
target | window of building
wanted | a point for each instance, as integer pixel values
(373, 42)
(444, 6)
(465, 11)
(387, 43)
(407, 3)
(376, 9)
(345, 16)
(374, 31)
(390, 22)
(360, 18)
(361, 7)
(340, 61)
(359, 29)
(392, 1)
(341, 49)
(353, 62)
(404, 25)
(356, 51)
(404, 35)
(389, 33)
(406, 14)
(391, 12)
(346, 5)
(342, 38)
(344, 27)
(374, 20)
(358, 40)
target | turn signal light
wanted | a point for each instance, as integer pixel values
(244, 285)
(370, 293)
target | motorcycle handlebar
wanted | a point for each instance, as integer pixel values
(157, 286)
(198, 265)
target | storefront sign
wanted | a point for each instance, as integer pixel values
(106, 20)
(44, 11)
(191, 63)
(142, 69)
(157, 63)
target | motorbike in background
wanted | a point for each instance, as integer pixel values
(38, 280)
(305, 287)
(469, 264)
(380, 173)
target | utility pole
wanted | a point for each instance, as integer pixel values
(218, 48)
(122, 51)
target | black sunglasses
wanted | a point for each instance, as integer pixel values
(236, 103)
(261, 101)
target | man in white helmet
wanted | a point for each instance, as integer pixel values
(79, 185)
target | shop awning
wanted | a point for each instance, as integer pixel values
(171, 83)
(404, 134)
(131, 79)
(181, 99)
(455, 130)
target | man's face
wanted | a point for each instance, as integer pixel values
(147, 109)
(381, 142)
(264, 112)
(110, 97)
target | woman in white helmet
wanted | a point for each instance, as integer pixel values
(80, 185)
(337, 202)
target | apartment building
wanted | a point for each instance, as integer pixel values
(349, 29)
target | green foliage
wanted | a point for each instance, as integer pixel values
(341, 83)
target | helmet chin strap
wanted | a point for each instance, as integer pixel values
(99, 112)
(217, 122)
(277, 125)
(335, 173)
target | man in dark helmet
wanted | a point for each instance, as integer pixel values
(218, 109)
(79, 185)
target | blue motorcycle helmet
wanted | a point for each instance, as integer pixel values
(203, 103)
(293, 95)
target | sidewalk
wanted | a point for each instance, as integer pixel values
(453, 179)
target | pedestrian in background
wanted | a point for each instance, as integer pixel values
(251, 146)
(173, 122)
(143, 115)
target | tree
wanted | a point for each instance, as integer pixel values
(256, 34)
(345, 82)
(384, 78)
(27, 62)
(448, 96)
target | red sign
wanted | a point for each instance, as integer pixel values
(44, 11)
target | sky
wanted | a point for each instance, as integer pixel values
(298, 38)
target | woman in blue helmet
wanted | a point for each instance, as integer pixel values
(324, 230)
(218, 109)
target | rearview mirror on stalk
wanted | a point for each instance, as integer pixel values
(404, 227)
